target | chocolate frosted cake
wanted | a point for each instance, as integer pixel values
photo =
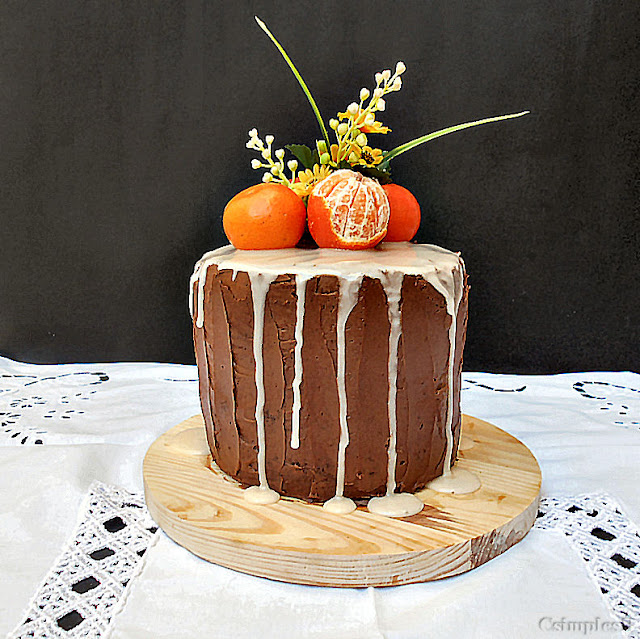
(331, 375)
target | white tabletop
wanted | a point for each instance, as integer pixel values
(80, 557)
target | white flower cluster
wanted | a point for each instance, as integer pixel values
(357, 115)
(275, 172)
(385, 83)
(389, 84)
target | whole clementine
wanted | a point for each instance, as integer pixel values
(404, 219)
(264, 216)
(347, 211)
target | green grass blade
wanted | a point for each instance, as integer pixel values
(436, 134)
(302, 83)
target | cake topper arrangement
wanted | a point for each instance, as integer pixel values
(341, 190)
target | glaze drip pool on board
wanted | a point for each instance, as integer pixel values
(389, 264)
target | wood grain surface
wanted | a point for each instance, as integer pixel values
(203, 510)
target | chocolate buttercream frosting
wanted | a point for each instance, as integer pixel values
(433, 293)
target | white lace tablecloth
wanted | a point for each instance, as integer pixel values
(80, 556)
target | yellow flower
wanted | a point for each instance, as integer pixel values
(345, 149)
(301, 189)
(318, 173)
(307, 179)
(365, 156)
(374, 127)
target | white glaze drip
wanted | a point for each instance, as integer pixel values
(199, 276)
(439, 484)
(348, 298)
(259, 288)
(449, 427)
(453, 480)
(301, 290)
(392, 283)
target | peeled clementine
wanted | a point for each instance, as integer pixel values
(265, 216)
(404, 219)
(348, 211)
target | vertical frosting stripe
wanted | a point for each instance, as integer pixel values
(348, 298)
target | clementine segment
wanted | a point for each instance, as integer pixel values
(404, 220)
(348, 211)
(264, 216)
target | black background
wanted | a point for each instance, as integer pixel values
(122, 133)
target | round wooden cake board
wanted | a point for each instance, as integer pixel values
(203, 510)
